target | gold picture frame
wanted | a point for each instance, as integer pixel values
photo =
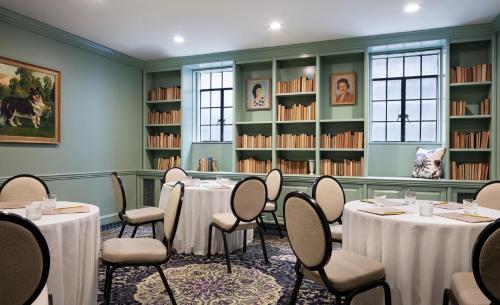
(343, 89)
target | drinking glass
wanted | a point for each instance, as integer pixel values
(219, 179)
(470, 206)
(34, 211)
(426, 208)
(49, 201)
(380, 199)
(410, 197)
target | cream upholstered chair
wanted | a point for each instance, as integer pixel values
(24, 187)
(136, 217)
(343, 273)
(274, 183)
(488, 195)
(121, 252)
(481, 286)
(247, 202)
(173, 174)
(330, 196)
(24, 262)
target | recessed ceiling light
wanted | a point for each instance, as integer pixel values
(412, 7)
(178, 39)
(275, 26)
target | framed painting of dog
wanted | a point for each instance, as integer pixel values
(30, 105)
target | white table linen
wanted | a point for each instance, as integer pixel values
(420, 254)
(200, 203)
(73, 241)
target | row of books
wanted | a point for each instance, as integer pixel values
(258, 141)
(296, 141)
(293, 167)
(168, 162)
(252, 165)
(207, 164)
(160, 94)
(346, 139)
(298, 112)
(459, 108)
(345, 167)
(298, 84)
(469, 171)
(164, 140)
(478, 139)
(485, 107)
(168, 117)
(477, 73)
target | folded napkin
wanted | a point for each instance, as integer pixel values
(383, 211)
(372, 201)
(466, 217)
(13, 204)
(67, 209)
(448, 205)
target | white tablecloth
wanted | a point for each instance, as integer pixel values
(419, 253)
(200, 203)
(73, 241)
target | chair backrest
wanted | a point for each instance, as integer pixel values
(173, 174)
(24, 187)
(248, 198)
(308, 231)
(119, 193)
(24, 260)
(486, 261)
(330, 196)
(488, 195)
(274, 183)
(173, 211)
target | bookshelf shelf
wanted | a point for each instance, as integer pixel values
(163, 102)
(470, 150)
(471, 117)
(296, 122)
(162, 125)
(470, 84)
(361, 120)
(254, 123)
(163, 149)
(254, 149)
(295, 149)
(296, 94)
(343, 149)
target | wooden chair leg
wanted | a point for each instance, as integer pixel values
(263, 245)
(277, 224)
(107, 284)
(295, 292)
(226, 252)
(135, 231)
(244, 241)
(121, 231)
(167, 287)
(262, 223)
(153, 227)
(209, 249)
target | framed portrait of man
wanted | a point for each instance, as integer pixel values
(343, 89)
(258, 94)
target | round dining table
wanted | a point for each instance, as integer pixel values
(73, 241)
(419, 253)
(201, 201)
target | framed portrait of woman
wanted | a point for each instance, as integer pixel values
(343, 89)
(258, 94)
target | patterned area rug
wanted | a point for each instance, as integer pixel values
(198, 280)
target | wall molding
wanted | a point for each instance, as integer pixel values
(52, 32)
(81, 175)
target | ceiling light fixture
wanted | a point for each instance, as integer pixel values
(178, 39)
(412, 7)
(275, 26)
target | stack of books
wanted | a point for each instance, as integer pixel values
(164, 140)
(342, 168)
(299, 84)
(293, 167)
(477, 73)
(258, 141)
(296, 141)
(161, 94)
(458, 108)
(484, 108)
(469, 171)
(169, 117)
(478, 139)
(207, 164)
(252, 165)
(298, 112)
(168, 162)
(346, 139)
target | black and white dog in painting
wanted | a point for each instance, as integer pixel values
(12, 108)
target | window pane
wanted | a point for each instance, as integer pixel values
(227, 79)
(393, 110)
(215, 133)
(205, 99)
(228, 98)
(412, 131)
(428, 131)
(413, 89)
(215, 98)
(378, 68)
(228, 132)
(413, 110)
(394, 131)
(412, 66)
(205, 117)
(430, 65)
(215, 116)
(228, 115)
(429, 87)
(395, 67)
(205, 80)
(216, 80)
(393, 89)
(378, 131)
(378, 90)
(378, 111)
(205, 133)
(429, 110)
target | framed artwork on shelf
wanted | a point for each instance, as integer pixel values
(258, 94)
(343, 89)
(29, 103)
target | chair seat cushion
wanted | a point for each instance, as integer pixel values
(347, 270)
(336, 232)
(134, 250)
(143, 215)
(227, 220)
(270, 206)
(466, 291)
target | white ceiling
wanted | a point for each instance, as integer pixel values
(145, 28)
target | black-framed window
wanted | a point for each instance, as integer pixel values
(215, 105)
(405, 96)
